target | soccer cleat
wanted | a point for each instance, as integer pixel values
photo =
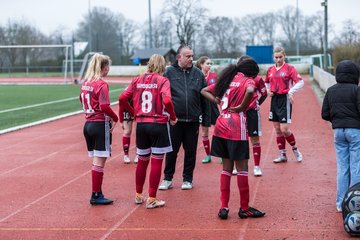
(136, 160)
(281, 158)
(250, 213)
(126, 159)
(154, 203)
(97, 198)
(223, 213)
(139, 198)
(186, 185)
(297, 154)
(257, 171)
(338, 209)
(165, 185)
(207, 159)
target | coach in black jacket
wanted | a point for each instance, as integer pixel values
(191, 108)
(341, 107)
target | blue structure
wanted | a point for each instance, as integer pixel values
(261, 54)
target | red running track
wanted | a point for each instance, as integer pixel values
(45, 188)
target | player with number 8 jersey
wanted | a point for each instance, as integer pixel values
(152, 109)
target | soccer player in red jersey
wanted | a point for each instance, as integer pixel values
(127, 127)
(100, 122)
(235, 87)
(152, 108)
(253, 119)
(282, 81)
(204, 64)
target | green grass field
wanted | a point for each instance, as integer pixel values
(22, 104)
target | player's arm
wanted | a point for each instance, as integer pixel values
(245, 102)
(104, 102)
(296, 78)
(206, 93)
(262, 89)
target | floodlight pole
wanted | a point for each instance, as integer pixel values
(150, 29)
(325, 5)
(297, 29)
(90, 32)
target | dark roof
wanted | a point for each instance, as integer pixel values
(148, 52)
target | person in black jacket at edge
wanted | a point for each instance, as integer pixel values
(341, 106)
(191, 108)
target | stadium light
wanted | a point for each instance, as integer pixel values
(150, 30)
(90, 32)
(297, 29)
(325, 5)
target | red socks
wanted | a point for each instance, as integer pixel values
(140, 173)
(155, 174)
(291, 139)
(97, 174)
(257, 153)
(243, 185)
(225, 179)
(206, 143)
(126, 144)
(280, 140)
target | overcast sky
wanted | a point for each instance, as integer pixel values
(48, 15)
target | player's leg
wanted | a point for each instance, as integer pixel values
(126, 139)
(101, 135)
(206, 143)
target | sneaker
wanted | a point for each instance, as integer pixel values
(126, 159)
(250, 213)
(257, 171)
(139, 198)
(154, 203)
(186, 185)
(136, 160)
(165, 185)
(97, 198)
(297, 154)
(207, 159)
(223, 213)
(234, 172)
(338, 209)
(281, 158)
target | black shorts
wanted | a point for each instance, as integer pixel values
(98, 138)
(231, 149)
(280, 109)
(152, 138)
(253, 123)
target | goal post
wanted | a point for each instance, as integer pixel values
(69, 55)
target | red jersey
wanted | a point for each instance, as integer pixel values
(282, 79)
(230, 125)
(260, 90)
(147, 92)
(211, 78)
(92, 95)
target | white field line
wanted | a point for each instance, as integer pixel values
(43, 121)
(43, 104)
(47, 119)
(37, 105)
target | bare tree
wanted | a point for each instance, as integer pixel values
(266, 26)
(287, 21)
(187, 16)
(349, 34)
(250, 28)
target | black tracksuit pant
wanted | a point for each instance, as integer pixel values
(185, 133)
